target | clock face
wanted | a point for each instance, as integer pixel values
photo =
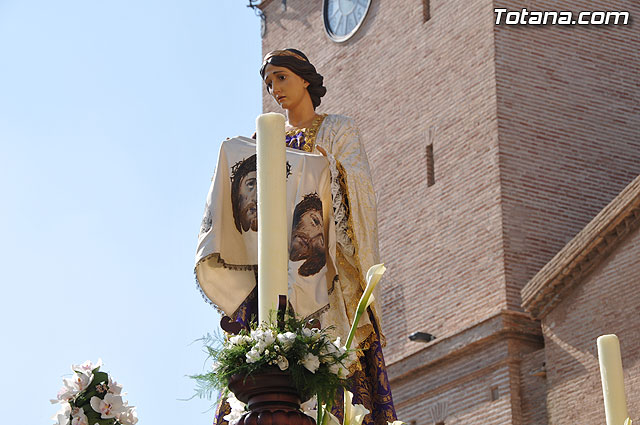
(342, 18)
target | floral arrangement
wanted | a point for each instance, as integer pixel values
(92, 397)
(318, 365)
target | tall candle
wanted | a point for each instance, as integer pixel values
(272, 215)
(615, 402)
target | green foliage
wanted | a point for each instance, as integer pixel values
(268, 346)
(96, 388)
(96, 418)
(84, 397)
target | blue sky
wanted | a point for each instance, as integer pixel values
(111, 115)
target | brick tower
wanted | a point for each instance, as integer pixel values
(490, 147)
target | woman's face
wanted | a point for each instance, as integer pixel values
(285, 86)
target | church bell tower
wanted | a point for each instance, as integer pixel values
(490, 146)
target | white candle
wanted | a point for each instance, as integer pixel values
(272, 215)
(615, 402)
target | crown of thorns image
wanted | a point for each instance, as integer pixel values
(244, 189)
(235, 168)
(307, 237)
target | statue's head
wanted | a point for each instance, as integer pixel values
(244, 189)
(298, 63)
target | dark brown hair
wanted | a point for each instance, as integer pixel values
(299, 64)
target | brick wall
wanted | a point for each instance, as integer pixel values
(603, 303)
(463, 386)
(569, 129)
(486, 380)
(533, 389)
(534, 130)
(403, 80)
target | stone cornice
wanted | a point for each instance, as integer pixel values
(584, 252)
(505, 324)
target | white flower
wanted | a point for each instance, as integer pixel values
(286, 339)
(283, 363)
(351, 357)
(331, 348)
(108, 408)
(237, 409)
(313, 333)
(82, 377)
(239, 339)
(67, 392)
(72, 386)
(310, 407)
(263, 335)
(262, 338)
(327, 350)
(114, 387)
(260, 347)
(82, 380)
(374, 274)
(233, 417)
(79, 382)
(353, 413)
(62, 416)
(86, 367)
(235, 403)
(128, 416)
(332, 419)
(311, 362)
(79, 418)
(268, 338)
(252, 356)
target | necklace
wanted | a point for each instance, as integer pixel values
(304, 139)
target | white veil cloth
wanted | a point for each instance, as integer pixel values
(227, 252)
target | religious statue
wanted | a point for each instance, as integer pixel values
(333, 234)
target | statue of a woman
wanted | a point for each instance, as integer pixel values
(297, 87)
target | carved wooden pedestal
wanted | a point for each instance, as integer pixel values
(272, 399)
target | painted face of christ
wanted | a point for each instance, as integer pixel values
(307, 238)
(247, 199)
(244, 193)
